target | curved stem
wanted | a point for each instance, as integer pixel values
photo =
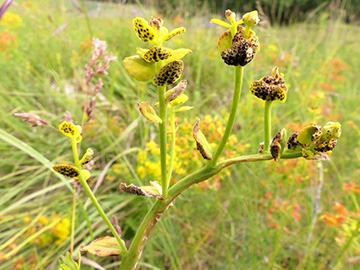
(162, 134)
(133, 255)
(267, 126)
(172, 149)
(236, 98)
(92, 197)
(257, 157)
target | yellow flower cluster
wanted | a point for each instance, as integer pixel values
(55, 235)
(11, 19)
(187, 158)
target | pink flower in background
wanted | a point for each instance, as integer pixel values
(4, 7)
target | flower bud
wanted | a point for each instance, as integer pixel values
(231, 16)
(156, 23)
(251, 18)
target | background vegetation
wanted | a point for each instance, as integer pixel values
(287, 215)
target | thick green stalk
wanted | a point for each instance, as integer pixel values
(267, 126)
(133, 255)
(162, 134)
(173, 144)
(92, 197)
(229, 126)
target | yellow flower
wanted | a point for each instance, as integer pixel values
(44, 220)
(11, 19)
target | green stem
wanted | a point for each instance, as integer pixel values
(267, 126)
(133, 255)
(162, 134)
(247, 31)
(230, 123)
(172, 149)
(73, 224)
(92, 197)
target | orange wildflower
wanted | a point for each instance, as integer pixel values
(6, 40)
(333, 220)
(351, 187)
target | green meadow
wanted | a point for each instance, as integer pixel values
(291, 214)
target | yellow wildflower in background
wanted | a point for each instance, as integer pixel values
(186, 158)
(11, 19)
(55, 235)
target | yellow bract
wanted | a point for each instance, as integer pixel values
(89, 154)
(67, 170)
(69, 129)
(174, 33)
(180, 100)
(148, 112)
(202, 144)
(143, 30)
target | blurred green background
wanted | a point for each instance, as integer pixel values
(293, 214)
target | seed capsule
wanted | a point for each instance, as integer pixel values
(270, 88)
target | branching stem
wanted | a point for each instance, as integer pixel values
(92, 197)
(159, 207)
